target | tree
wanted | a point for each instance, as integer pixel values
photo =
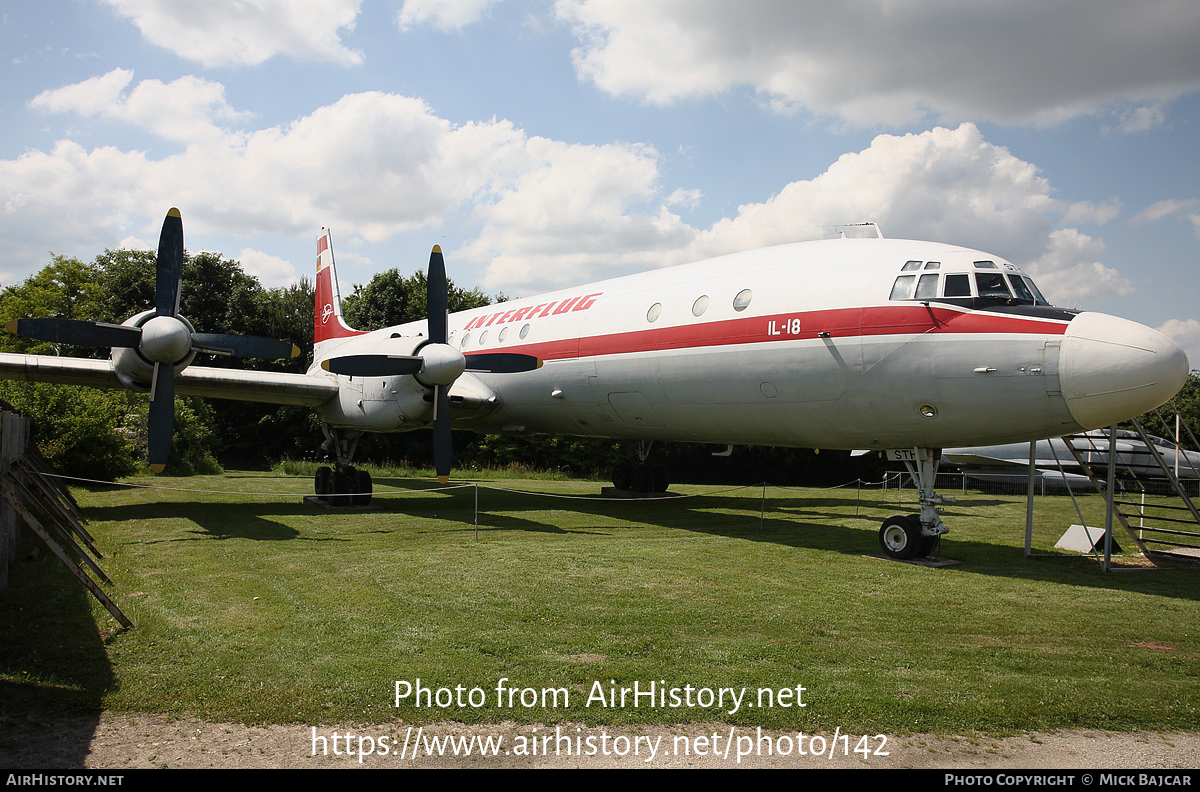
(392, 299)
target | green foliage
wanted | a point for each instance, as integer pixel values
(80, 431)
(1186, 402)
(392, 299)
(193, 443)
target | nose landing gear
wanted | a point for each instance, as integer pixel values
(906, 536)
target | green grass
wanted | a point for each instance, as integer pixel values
(263, 610)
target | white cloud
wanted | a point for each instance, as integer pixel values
(135, 243)
(574, 213)
(1146, 117)
(878, 61)
(1159, 210)
(246, 32)
(1069, 272)
(946, 184)
(270, 270)
(1185, 333)
(184, 110)
(1088, 212)
(686, 198)
(445, 15)
(548, 213)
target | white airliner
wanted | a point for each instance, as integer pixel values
(885, 344)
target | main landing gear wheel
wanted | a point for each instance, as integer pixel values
(323, 484)
(363, 496)
(900, 537)
(348, 487)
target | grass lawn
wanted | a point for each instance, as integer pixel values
(264, 610)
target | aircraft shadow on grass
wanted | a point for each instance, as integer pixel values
(799, 522)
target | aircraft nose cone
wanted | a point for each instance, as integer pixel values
(1111, 369)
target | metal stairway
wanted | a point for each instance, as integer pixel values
(1164, 532)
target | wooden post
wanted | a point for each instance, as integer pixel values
(14, 435)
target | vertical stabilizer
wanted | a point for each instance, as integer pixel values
(328, 324)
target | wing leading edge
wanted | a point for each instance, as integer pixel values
(239, 384)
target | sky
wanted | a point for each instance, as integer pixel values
(548, 143)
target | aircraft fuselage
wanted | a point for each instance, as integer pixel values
(812, 344)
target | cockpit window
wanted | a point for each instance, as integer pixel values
(927, 287)
(985, 265)
(991, 284)
(1037, 294)
(910, 266)
(958, 286)
(933, 265)
(902, 288)
(1020, 289)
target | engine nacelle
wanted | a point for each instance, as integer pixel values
(134, 369)
(379, 404)
(402, 402)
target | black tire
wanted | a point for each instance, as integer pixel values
(900, 537)
(642, 480)
(342, 493)
(661, 478)
(321, 484)
(363, 496)
(622, 476)
(927, 542)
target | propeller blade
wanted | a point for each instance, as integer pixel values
(503, 362)
(169, 274)
(373, 365)
(244, 346)
(442, 446)
(437, 301)
(162, 415)
(76, 332)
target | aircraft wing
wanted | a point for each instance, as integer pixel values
(272, 387)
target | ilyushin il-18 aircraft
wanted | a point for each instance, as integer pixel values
(850, 343)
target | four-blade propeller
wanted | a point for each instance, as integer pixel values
(435, 363)
(163, 340)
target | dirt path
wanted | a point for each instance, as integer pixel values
(115, 741)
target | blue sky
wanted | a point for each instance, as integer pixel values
(545, 144)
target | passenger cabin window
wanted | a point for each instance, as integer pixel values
(927, 287)
(958, 286)
(742, 301)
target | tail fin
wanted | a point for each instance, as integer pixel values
(328, 324)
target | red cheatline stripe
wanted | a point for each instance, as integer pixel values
(839, 323)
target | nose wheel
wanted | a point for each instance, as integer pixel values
(906, 536)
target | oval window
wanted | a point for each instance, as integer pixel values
(654, 312)
(503, 334)
(524, 331)
(463, 344)
(700, 306)
(742, 301)
(482, 337)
